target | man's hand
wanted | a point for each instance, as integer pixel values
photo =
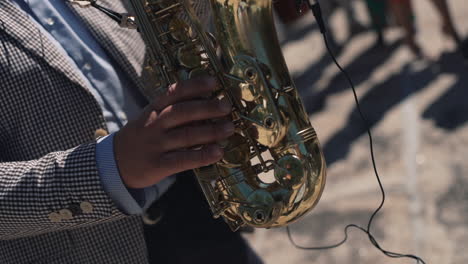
(159, 143)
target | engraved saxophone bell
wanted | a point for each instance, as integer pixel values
(273, 132)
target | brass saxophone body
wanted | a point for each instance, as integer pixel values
(273, 136)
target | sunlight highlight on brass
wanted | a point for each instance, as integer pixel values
(273, 131)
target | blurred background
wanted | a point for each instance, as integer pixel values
(412, 81)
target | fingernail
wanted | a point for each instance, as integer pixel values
(216, 151)
(228, 128)
(225, 106)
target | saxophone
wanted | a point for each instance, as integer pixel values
(273, 170)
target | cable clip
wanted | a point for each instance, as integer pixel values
(124, 20)
(128, 21)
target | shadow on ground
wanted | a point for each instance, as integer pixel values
(360, 69)
(448, 111)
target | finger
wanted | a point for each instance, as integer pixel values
(184, 90)
(190, 111)
(147, 117)
(189, 136)
(178, 161)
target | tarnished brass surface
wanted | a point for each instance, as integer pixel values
(273, 132)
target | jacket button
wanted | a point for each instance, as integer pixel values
(66, 214)
(55, 217)
(100, 133)
(86, 207)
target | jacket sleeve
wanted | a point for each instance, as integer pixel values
(58, 191)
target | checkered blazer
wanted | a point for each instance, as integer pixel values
(53, 208)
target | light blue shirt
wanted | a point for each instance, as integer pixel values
(108, 85)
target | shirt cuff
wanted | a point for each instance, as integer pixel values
(130, 201)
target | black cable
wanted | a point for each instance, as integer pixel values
(316, 10)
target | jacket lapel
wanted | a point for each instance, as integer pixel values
(125, 46)
(30, 37)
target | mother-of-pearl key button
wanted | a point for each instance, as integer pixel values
(50, 21)
(55, 217)
(100, 133)
(86, 207)
(66, 214)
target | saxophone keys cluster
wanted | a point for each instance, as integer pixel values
(273, 135)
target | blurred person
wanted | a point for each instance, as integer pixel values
(354, 26)
(404, 15)
(448, 27)
(84, 150)
(378, 13)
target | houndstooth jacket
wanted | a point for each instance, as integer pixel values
(53, 208)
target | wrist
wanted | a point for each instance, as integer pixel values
(110, 178)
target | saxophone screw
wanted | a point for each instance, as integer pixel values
(250, 73)
(259, 216)
(269, 122)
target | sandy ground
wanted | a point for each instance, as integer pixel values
(418, 112)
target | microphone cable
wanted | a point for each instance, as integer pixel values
(317, 12)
